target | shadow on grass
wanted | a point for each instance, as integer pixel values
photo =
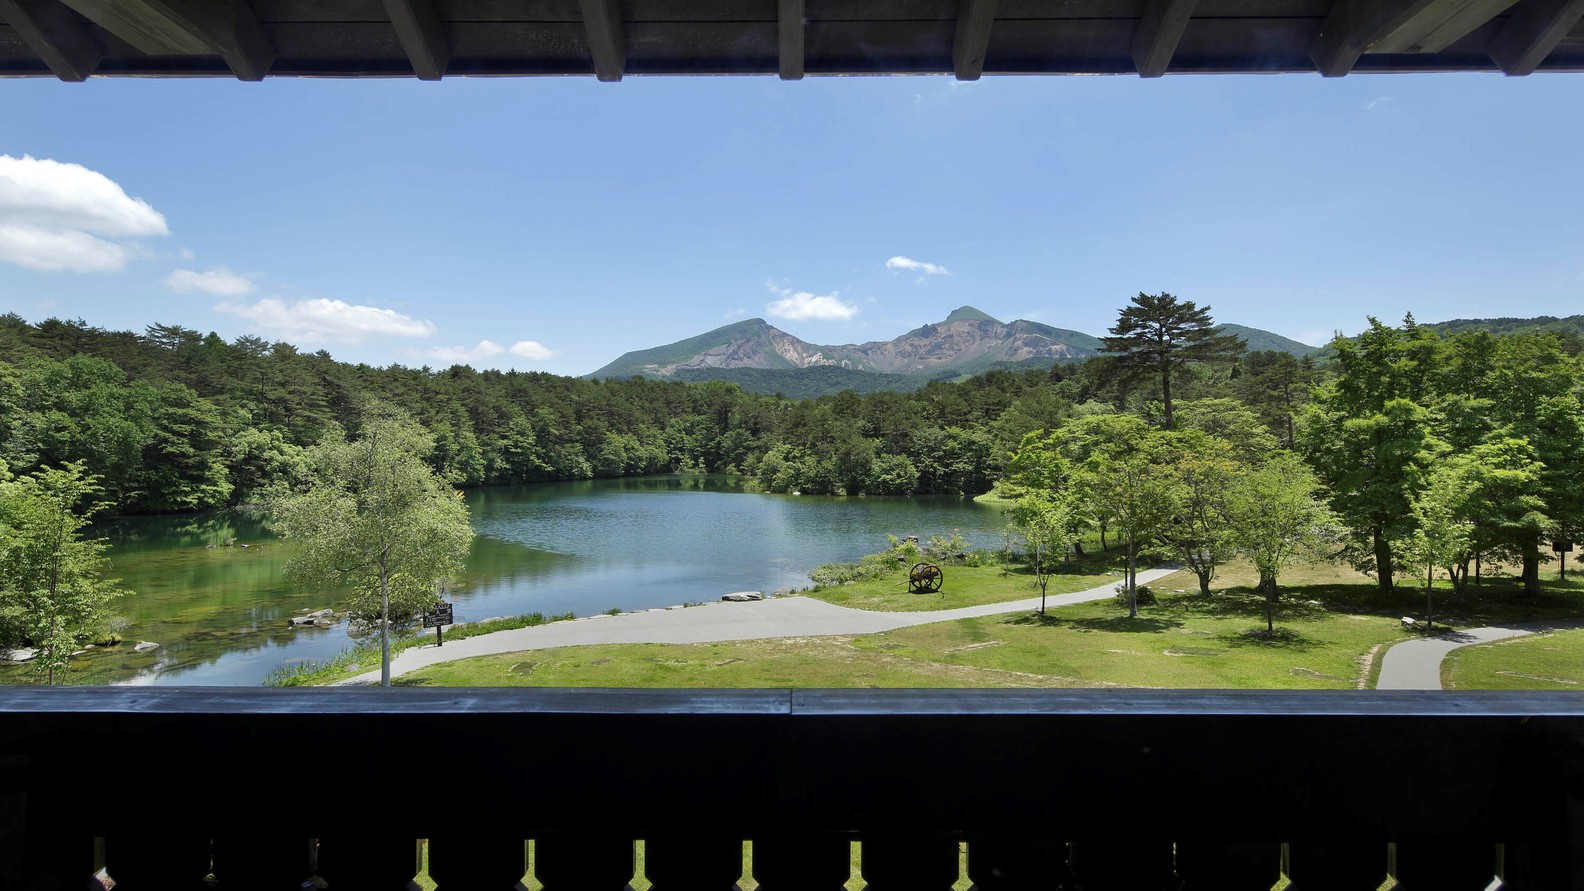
(1116, 624)
(1280, 639)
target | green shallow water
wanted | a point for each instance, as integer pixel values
(209, 588)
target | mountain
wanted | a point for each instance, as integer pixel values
(1261, 341)
(1569, 325)
(964, 342)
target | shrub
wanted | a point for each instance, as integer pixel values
(1143, 595)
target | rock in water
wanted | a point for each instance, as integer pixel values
(25, 654)
(146, 646)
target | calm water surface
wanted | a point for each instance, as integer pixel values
(219, 614)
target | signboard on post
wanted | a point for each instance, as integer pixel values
(438, 618)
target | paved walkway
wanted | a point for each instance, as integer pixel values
(1416, 664)
(757, 620)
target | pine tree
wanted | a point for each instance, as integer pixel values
(1159, 334)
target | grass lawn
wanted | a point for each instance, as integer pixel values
(1331, 626)
(1553, 661)
(971, 585)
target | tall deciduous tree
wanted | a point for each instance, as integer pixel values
(1046, 522)
(1139, 495)
(377, 519)
(1278, 518)
(52, 584)
(1159, 334)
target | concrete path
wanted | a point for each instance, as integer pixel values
(1416, 664)
(714, 622)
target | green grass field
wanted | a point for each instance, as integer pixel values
(966, 586)
(1553, 661)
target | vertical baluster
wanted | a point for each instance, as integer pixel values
(1012, 861)
(253, 861)
(477, 861)
(147, 860)
(368, 862)
(566, 861)
(1357, 866)
(1229, 866)
(1143, 865)
(811, 862)
(923, 862)
(1444, 864)
(693, 862)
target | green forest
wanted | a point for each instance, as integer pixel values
(174, 420)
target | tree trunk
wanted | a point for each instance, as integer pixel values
(1132, 579)
(1531, 566)
(1476, 569)
(1103, 547)
(1268, 583)
(1078, 549)
(1430, 596)
(1171, 422)
(1383, 560)
(385, 673)
(1039, 576)
(1204, 582)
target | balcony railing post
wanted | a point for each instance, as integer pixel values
(566, 861)
(259, 861)
(368, 862)
(693, 862)
(1125, 864)
(175, 860)
(1336, 866)
(1225, 866)
(809, 862)
(1017, 861)
(911, 862)
(477, 861)
(1449, 863)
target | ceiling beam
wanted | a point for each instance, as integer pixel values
(789, 34)
(607, 45)
(975, 18)
(51, 31)
(422, 36)
(1160, 29)
(1356, 27)
(226, 28)
(1532, 32)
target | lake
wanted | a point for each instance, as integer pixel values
(220, 613)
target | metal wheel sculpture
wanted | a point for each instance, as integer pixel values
(925, 578)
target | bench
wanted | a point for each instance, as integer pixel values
(1410, 623)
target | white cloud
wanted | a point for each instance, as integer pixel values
(65, 216)
(458, 355)
(53, 250)
(327, 321)
(219, 281)
(801, 306)
(916, 266)
(532, 350)
(1377, 102)
(737, 313)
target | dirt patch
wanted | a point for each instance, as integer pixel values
(1194, 651)
(522, 668)
(977, 646)
(600, 662)
(1538, 677)
(1311, 673)
(730, 661)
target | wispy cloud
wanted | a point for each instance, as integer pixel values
(1378, 102)
(533, 351)
(323, 320)
(219, 281)
(737, 313)
(798, 306)
(916, 266)
(460, 355)
(60, 216)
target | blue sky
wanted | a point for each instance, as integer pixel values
(553, 224)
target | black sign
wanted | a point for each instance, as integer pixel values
(440, 615)
(1562, 547)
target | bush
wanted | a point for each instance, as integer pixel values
(947, 549)
(1143, 595)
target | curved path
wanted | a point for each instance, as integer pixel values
(1416, 664)
(715, 622)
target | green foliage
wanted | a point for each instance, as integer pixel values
(1159, 334)
(1142, 595)
(376, 519)
(1277, 518)
(52, 586)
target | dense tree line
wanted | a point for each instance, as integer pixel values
(1452, 449)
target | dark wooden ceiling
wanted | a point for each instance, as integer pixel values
(252, 39)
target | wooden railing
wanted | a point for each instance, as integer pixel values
(1049, 789)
